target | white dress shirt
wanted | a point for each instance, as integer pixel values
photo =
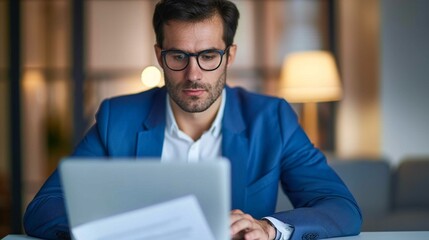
(180, 147)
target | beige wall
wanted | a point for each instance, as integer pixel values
(119, 35)
(358, 125)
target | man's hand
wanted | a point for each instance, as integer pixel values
(244, 226)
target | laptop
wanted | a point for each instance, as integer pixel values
(98, 188)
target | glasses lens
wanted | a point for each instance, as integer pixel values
(209, 60)
(176, 60)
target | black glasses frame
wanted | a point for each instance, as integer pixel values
(196, 55)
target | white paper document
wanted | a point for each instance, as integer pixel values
(179, 219)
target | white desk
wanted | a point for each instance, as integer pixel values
(363, 236)
(424, 235)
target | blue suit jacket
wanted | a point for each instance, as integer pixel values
(260, 136)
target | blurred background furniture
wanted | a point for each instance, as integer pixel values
(392, 198)
(410, 201)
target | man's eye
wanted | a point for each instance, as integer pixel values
(208, 56)
(178, 56)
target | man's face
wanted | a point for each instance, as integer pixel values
(194, 89)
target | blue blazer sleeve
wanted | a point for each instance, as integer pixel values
(45, 216)
(324, 207)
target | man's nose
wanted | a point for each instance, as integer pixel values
(193, 71)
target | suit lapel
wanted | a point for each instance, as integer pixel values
(151, 139)
(149, 143)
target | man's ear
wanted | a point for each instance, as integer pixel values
(158, 55)
(231, 54)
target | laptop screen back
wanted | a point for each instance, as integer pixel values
(98, 188)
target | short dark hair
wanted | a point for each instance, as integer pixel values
(196, 11)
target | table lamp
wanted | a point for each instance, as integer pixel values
(310, 77)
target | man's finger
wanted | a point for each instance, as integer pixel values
(241, 225)
(236, 211)
(255, 234)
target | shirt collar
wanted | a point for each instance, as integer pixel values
(215, 129)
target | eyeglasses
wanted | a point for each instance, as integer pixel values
(208, 60)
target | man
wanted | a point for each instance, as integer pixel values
(196, 116)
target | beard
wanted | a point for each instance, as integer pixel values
(195, 104)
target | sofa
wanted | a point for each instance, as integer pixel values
(391, 198)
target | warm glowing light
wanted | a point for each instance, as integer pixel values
(34, 86)
(33, 80)
(151, 76)
(310, 76)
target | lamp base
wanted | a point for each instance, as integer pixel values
(310, 122)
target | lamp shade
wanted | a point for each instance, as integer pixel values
(310, 76)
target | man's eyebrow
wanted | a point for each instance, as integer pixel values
(173, 49)
(206, 49)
